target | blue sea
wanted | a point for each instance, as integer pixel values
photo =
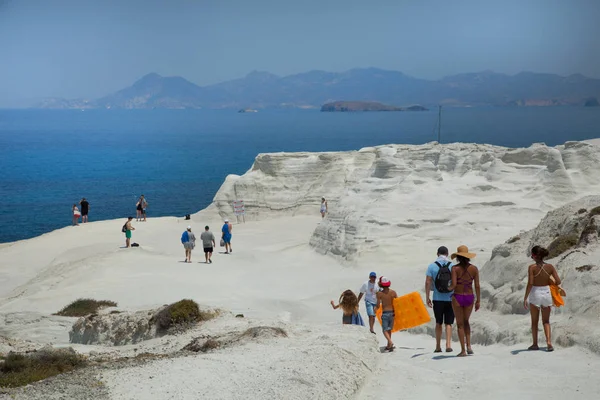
(50, 159)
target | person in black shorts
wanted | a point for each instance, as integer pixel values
(208, 242)
(85, 209)
(437, 277)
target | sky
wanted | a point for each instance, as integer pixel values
(91, 48)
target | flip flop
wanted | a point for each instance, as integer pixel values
(449, 350)
(470, 352)
(549, 349)
(533, 347)
(437, 351)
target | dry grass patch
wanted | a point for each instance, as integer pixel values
(23, 369)
(561, 244)
(595, 211)
(181, 315)
(83, 307)
(585, 268)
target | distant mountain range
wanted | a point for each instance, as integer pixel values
(313, 89)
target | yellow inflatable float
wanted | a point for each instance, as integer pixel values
(409, 311)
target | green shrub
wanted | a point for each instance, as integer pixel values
(561, 244)
(582, 211)
(83, 307)
(181, 315)
(23, 369)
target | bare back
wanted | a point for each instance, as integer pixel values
(387, 299)
(464, 278)
(539, 275)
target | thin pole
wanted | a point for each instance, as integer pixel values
(440, 125)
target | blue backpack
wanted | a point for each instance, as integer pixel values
(185, 237)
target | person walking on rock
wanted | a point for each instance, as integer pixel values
(463, 275)
(188, 239)
(127, 228)
(208, 242)
(226, 235)
(349, 305)
(438, 279)
(385, 299)
(323, 207)
(370, 289)
(85, 209)
(538, 295)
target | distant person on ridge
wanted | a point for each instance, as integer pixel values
(463, 275)
(140, 207)
(85, 209)
(385, 299)
(370, 289)
(438, 278)
(208, 242)
(127, 228)
(539, 296)
(76, 215)
(188, 239)
(226, 235)
(323, 207)
(349, 305)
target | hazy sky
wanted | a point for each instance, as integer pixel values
(89, 48)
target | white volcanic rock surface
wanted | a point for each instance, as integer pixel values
(390, 208)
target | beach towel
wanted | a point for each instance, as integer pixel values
(557, 299)
(357, 319)
(409, 312)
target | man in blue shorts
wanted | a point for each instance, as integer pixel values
(439, 274)
(369, 289)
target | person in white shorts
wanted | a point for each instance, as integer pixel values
(538, 295)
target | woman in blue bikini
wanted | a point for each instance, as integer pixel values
(463, 276)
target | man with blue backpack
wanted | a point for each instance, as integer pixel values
(188, 239)
(438, 279)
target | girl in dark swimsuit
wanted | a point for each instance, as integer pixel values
(463, 276)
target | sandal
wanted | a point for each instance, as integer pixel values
(550, 348)
(533, 347)
(449, 350)
(437, 351)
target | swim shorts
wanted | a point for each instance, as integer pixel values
(128, 234)
(370, 308)
(387, 320)
(208, 249)
(188, 245)
(444, 314)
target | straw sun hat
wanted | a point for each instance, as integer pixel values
(462, 251)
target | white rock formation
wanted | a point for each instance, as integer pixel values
(375, 194)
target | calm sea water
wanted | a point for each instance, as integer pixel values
(179, 158)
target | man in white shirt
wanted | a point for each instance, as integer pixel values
(369, 289)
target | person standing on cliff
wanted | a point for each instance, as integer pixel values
(85, 209)
(127, 228)
(323, 207)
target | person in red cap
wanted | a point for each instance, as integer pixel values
(385, 299)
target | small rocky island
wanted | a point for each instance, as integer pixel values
(349, 106)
